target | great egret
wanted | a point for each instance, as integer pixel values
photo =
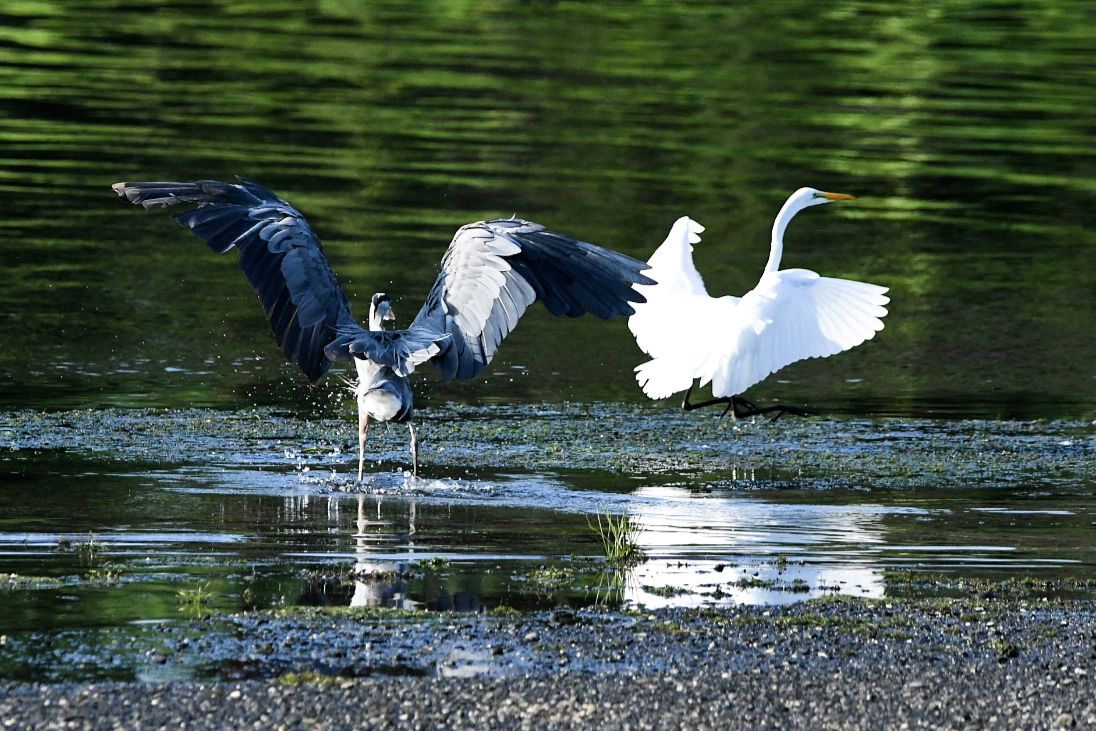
(492, 271)
(733, 342)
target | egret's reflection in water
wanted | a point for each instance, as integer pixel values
(727, 549)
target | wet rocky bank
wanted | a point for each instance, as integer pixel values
(818, 453)
(835, 663)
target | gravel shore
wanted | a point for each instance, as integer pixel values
(826, 664)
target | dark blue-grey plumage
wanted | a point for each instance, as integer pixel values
(280, 255)
(490, 274)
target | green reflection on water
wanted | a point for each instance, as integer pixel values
(966, 130)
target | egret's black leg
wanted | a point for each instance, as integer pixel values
(741, 408)
(686, 406)
(744, 408)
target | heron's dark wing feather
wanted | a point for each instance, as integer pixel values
(280, 255)
(494, 270)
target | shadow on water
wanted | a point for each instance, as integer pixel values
(964, 130)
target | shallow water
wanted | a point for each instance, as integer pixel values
(114, 516)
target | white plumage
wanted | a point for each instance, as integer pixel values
(733, 342)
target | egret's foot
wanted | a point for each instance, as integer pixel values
(742, 408)
(749, 408)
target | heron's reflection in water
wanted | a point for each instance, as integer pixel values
(381, 580)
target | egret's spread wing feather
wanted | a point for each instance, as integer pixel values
(674, 259)
(734, 343)
(493, 271)
(400, 350)
(789, 316)
(280, 255)
(684, 331)
(662, 325)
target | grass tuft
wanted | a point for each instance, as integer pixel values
(195, 602)
(618, 535)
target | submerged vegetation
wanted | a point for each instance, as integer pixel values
(195, 602)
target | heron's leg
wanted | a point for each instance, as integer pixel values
(414, 450)
(363, 430)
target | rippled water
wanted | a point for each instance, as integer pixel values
(966, 131)
(959, 441)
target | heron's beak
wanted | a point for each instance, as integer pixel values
(838, 197)
(389, 316)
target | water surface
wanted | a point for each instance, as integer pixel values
(966, 131)
(114, 516)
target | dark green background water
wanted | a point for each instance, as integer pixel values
(966, 128)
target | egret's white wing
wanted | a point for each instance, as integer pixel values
(674, 258)
(789, 316)
(679, 300)
(689, 331)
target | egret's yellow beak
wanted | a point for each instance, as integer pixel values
(838, 197)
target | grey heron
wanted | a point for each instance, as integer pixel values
(733, 342)
(490, 274)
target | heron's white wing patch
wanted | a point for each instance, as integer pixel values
(493, 271)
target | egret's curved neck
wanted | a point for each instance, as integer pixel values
(787, 212)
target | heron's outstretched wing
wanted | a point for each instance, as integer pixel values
(789, 316)
(279, 254)
(493, 271)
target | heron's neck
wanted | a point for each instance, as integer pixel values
(375, 321)
(787, 211)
